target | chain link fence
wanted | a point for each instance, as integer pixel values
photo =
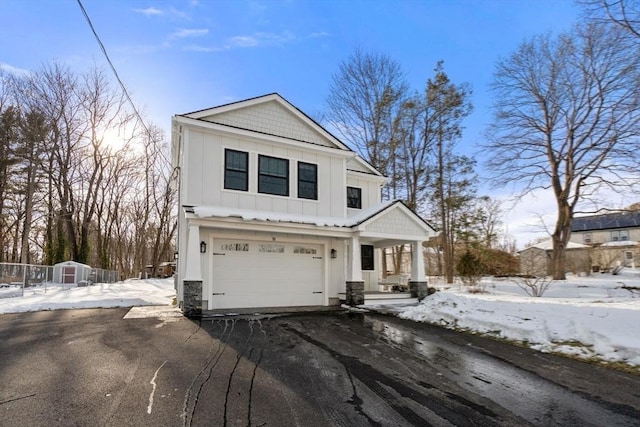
(16, 278)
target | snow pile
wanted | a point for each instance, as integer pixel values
(129, 293)
(588, 317)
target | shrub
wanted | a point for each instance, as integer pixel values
(469, 268)
(534, 286)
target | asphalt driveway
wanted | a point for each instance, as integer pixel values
(92, 367)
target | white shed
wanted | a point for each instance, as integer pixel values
(70, 272)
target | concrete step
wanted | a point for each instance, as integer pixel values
(386, 295)
(391, 301)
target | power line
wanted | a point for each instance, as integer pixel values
(122, 86)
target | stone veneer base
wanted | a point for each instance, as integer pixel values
(355, 293)
(418, 290)
(192, 294)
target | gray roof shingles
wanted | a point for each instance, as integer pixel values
(606, 221)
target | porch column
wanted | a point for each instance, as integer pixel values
(192, 281)
(418, 283)
(355, 284)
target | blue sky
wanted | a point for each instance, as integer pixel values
(181, 56)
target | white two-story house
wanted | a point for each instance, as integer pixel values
(274, 211)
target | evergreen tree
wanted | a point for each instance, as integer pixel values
(447, 104)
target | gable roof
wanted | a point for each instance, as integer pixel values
(609, 221)
(273, 115)
(368, 217)
(71, 264)
(547, 245)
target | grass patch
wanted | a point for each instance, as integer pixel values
(572, 343)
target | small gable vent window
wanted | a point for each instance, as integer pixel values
(236, 170)
(307, 181)
(273, 176)
(354, 197)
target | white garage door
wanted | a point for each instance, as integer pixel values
(248, 273)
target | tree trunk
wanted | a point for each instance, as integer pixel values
(397, 258)
(560, 238)
(28, 216)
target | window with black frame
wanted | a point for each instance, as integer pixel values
(236, 170)
(366, 257)
(354, 197)
(307, 181)
(273, 175)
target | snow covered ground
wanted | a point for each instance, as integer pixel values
(129, 293)
(594, 317)
(589, 317)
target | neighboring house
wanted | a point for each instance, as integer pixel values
(535, 260)
(597, 243)
(163, 270)
(613, 237)
(275, 211)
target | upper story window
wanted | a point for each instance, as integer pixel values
(236, 170)
(273, 175)
(354, 197)
(586, 238)
(307, 181)
(619, 235)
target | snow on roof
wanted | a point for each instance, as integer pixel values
(251, 215)
(547, 245)
(620, 243)
(72, 263)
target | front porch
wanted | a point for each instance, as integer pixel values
(393, 225)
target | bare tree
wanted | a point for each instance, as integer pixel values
(66, 191)
(489, 221)
(9, 131)
(34, 131)
(624, 13)
(414, 151)
(364, 97)
(567, 118)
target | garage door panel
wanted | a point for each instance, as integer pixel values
(266, 274)
(266, 300)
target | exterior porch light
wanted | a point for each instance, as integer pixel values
(203, 247)
(334, 253)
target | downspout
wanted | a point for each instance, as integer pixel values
(177, 171)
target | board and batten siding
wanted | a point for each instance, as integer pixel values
(204, 174)
(370, 191)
